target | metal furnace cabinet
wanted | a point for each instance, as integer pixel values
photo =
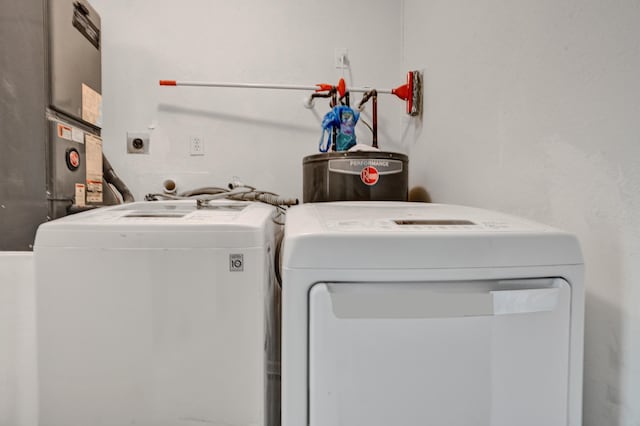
(50, 113)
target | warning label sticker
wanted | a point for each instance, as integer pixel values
(91, 105)
(80, 195)
(65, 132)
(77, 135)
(94, 168)
(70, 133)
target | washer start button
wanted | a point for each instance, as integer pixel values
(73, 159)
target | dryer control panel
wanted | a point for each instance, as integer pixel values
(417, 235)
(416, 218)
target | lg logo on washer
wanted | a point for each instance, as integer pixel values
(236, 262)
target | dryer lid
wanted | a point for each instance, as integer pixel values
(396, 235)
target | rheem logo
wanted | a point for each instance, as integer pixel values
(369, 175)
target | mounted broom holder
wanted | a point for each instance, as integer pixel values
(410, 92)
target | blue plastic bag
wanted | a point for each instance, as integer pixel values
(344, 119)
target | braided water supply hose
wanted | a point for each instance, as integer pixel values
(236, 191)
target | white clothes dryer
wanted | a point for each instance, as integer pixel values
(411, 314)
(159, 314)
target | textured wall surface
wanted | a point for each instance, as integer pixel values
(533, 108)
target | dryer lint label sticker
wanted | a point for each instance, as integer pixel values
(236, 262)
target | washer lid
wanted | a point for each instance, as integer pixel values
(162, 224)
(396, 235)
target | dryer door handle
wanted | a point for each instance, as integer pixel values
(380, 301)
(524, 301)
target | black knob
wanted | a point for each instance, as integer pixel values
(138, 143)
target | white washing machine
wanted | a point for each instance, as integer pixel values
(158, 314)
(411, 314)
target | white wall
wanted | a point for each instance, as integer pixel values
(534, 108)
(260, 136)
(18, 383)
(530, 107)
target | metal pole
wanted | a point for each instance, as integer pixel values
(240, 85)
(259, 86)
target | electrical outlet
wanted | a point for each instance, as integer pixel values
(196, 145)
(137, 143)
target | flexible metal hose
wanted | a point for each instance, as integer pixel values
(237, 192)
(265, 197)
(111, 177)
